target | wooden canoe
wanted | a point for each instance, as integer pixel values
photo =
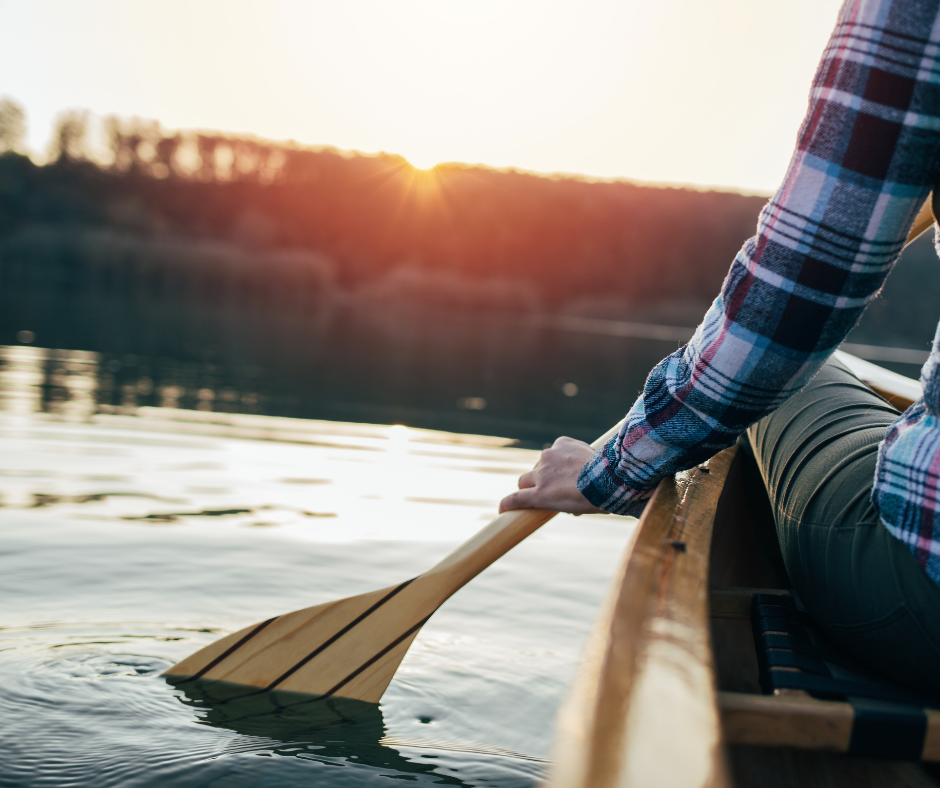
(668, 692)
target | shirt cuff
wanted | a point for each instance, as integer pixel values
(602, 487)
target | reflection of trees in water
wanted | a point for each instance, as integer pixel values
(378, 363)
(325, 729)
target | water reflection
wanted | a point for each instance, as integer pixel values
(433, 369)
(531, 378)
(84, 520)
(305, 726)
(71, 383)
(62, 382)
(22, 373)
(75, 384)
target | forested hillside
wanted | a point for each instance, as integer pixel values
(357, 223)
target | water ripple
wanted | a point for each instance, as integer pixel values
(82, 711)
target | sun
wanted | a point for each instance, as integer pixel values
(421, 162)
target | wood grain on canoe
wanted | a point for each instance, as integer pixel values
(646, 681)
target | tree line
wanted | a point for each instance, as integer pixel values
(380, 224)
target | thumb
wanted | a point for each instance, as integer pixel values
(521, 499)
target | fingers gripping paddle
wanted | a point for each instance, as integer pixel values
(352, 647)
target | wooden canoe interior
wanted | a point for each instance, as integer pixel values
(668, 692)
(745, 557)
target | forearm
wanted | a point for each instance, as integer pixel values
(866, 158)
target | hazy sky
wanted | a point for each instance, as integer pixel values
(708, 92)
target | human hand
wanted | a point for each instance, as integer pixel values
(553, 482)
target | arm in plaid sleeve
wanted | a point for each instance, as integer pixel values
(865, 159)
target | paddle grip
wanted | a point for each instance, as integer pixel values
(495, 540)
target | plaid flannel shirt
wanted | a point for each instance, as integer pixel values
(866, 157)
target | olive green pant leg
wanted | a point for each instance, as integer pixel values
(817, 456)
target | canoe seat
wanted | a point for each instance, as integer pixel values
(817, 697)
(794, 654)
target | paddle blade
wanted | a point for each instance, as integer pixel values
(339, 648)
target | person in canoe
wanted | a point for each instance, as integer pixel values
(853, 484)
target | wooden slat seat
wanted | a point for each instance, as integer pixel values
(870, 716)
(872, 729)
(816, 696)
(794, 654)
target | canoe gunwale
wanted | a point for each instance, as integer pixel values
(749, 738)
(651, 636)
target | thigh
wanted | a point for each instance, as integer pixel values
(817, 455)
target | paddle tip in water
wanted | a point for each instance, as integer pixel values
(352, 647)
(339, 648)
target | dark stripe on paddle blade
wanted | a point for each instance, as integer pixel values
(374, 659)
(232, 649)
(338, 635)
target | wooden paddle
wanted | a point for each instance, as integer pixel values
(351, 648)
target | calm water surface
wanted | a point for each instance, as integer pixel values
(129, 541)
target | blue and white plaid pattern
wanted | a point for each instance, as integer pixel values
(866, 157)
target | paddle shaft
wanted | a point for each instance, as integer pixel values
(495, 540)
(352, 647)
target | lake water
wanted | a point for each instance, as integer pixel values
(484, 373)
(172, 471)
(129, 541)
